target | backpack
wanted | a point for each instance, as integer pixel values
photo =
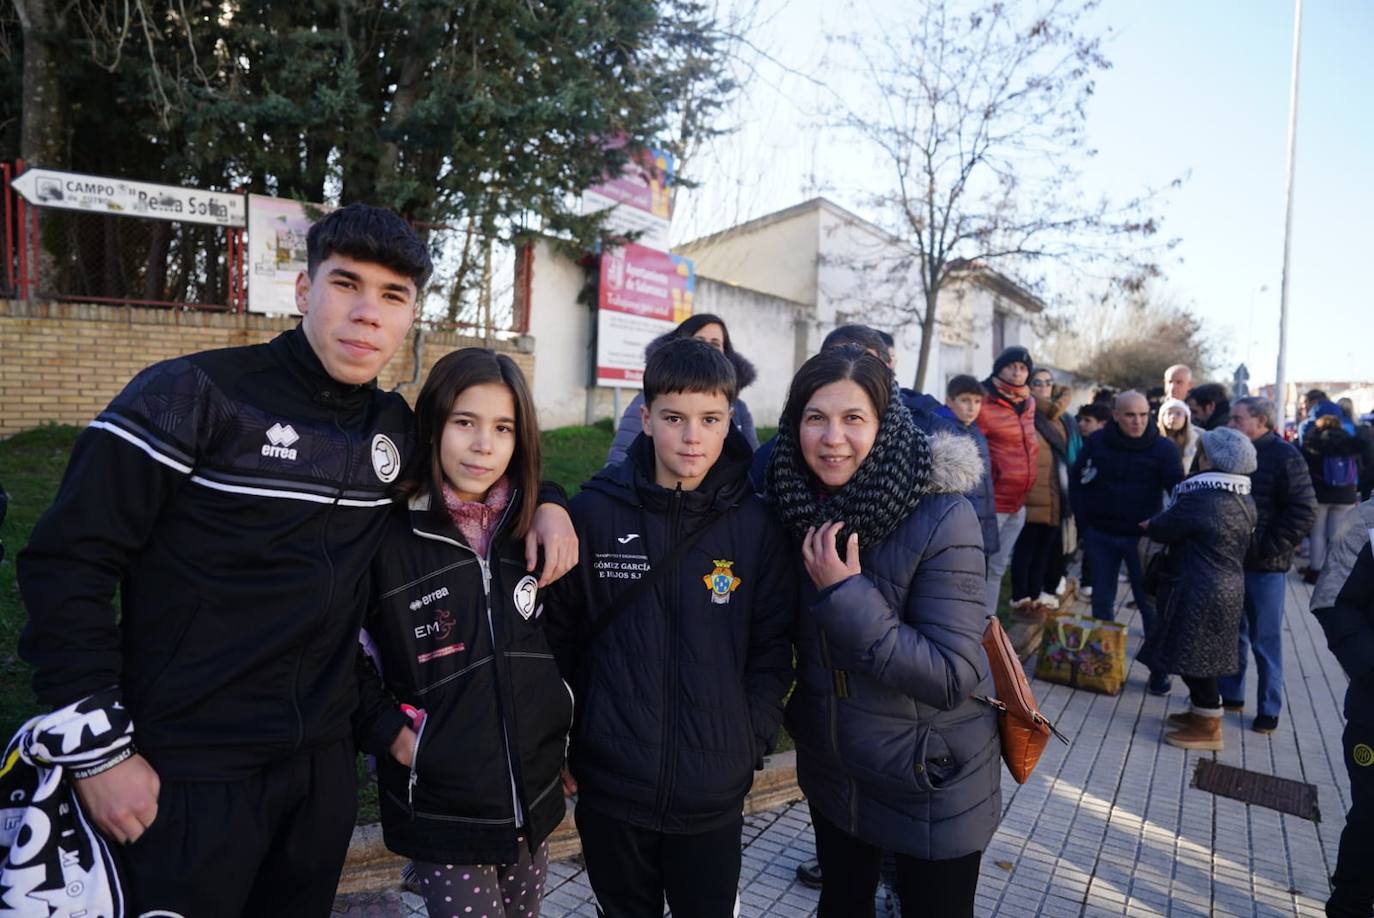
(1340, 471)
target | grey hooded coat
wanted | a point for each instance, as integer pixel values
(892, 745)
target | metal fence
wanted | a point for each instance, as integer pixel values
(480, 284)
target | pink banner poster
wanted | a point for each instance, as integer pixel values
(647, 282)
(646, 185)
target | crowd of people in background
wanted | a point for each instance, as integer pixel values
(410, 585)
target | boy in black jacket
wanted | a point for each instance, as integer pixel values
(674, 632)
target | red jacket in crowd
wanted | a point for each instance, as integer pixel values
(1012, 445)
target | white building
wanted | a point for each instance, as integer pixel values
(782, 282)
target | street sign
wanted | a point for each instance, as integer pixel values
(117, 197)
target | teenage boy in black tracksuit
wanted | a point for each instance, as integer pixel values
(235, 498)
(679, 692)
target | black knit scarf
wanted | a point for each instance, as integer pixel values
(882, 493)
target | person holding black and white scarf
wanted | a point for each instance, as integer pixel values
(894, 752)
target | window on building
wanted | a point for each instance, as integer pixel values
(999, 332)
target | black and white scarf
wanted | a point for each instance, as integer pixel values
(1213, 481)
(888, 484)
(53, 861)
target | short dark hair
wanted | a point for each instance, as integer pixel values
(963, 384)
(451, 375)
(890, 341)
(1315, 395)
(849, 361)
(688, 365)
(1095, 410)
(1212, 393)
(372, 234)
(868, 339)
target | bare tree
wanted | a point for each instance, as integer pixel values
(979, 113)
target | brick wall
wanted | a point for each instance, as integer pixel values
(63, 362)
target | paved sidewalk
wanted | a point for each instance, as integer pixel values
(1109, 825)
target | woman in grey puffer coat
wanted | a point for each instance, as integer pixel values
(711, 329)
(894, 751)
(1202, 586)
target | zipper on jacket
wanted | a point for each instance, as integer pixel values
(667, 768)
(415, 767)
(329, 594)
(484, 564)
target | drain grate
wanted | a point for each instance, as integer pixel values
(1282, 794)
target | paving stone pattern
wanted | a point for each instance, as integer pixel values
(1108, 825)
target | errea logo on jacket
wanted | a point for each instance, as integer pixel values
(279, 440)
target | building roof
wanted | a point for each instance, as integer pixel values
(984, 276)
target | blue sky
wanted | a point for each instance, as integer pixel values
(1198, 89)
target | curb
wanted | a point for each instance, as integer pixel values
(370, 867)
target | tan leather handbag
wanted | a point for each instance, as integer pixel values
(1024, 730)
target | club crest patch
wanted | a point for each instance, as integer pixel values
(721, 581)
(386, 459)
(524, 596)
(1363, 755)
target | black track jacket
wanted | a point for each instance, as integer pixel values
(678, 700)
(236, 498)
(463, 638)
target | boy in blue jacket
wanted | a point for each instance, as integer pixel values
(963, 400)
(674, 633)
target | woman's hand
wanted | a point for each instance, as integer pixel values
(403, 746)
(553, 529)
(569, 782)
(823, 561)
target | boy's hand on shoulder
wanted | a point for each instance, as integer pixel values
(122, 802)
(822, 559)
(552, 530)
(569, 783)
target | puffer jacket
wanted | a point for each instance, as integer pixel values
(1343, 602)
(892, 745)
(981, 496)
(462, 637)
(1012, 446)
(1332, 443)
(1202, 591)
(1284, 501)
(1119, 482)
(1047, 501)
(679, 698)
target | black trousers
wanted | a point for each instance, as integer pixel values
(1030, 560)
(271, 844)
(1203, 691)
(1058, 568)
(849, 878)
(632, 869)
(1352, 893)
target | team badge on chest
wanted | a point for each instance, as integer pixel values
(721, 581)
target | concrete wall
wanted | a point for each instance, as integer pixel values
(777, 258)
(769, 331)
(64, 362)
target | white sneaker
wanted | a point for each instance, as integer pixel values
(1063, 587)
(1048, 600)
(1086, 592)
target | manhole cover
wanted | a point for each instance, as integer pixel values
(1282, 794)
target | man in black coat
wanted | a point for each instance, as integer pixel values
(1343, 602)
(1286, 506)
(1211, 405)
(1118, 482)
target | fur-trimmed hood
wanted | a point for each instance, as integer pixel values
(956, 467)
(745, 374)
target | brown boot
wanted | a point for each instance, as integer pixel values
(1202, 732)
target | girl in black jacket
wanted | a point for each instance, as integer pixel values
(465, 709)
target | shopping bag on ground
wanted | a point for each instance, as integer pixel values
(1083, 652)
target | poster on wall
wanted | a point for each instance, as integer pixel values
(643, 294)
(276, 251)
(639, 200)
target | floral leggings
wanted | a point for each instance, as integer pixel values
(485, 891)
